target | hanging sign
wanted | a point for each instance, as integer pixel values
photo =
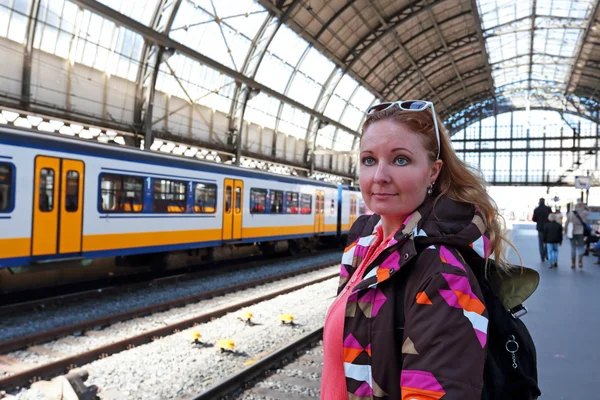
(583, 182)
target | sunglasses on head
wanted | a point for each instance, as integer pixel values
(409, 105)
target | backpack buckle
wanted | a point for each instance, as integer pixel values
(518, 311)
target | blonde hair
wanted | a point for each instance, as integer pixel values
(551, 217)
(456, 180)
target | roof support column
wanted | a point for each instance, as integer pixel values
(255, 55)
(28, 54)
(152, 56)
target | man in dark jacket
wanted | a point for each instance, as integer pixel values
(540, 217)
(553, 237)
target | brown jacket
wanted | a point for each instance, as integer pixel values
(442, 354)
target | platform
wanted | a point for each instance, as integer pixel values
(563, 319)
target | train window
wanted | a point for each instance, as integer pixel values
(6, 187)
(238, 199)
(121, 193)
(169, 196)
(258, 201)
(228, 199)
(276, 199)
(46, 189)
(291, 202)
(205, 198)
(305, 204)
(72, 197)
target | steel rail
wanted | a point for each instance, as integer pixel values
(277, 359)
(64, 365)
(46, 336)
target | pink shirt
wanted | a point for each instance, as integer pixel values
(333, 379)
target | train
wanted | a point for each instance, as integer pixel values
(67, 199)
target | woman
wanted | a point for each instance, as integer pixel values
(429, 211)
(577, 218)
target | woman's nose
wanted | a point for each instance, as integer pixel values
(382, 174)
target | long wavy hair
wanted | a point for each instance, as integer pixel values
(456, 180)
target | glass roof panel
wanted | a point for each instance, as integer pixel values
(140, 10)
(294, 122)
(335, 106)
(262, 110)
(13, 19)
(99, 43)
(222, 33)
(304, 90)
(188, 79)
(325, 137)
(287, 45)
(506, 25)
(317, 66)
(346, 87)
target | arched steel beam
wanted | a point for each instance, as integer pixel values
(523, 25)
(580, 53)
(152, 54)
(407, 54)
(456, 45)
(478, 25)
(254, 57)
(153, 36)
(433, 73)
(315, 124)
(448, 84)
(34, 12)
(533, 8)
(407, 42)
(339, 12)
(448, 53)
(286, 91)
(274, 7)
(455, 92)
(412, 10)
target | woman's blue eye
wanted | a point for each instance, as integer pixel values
(400, 161)
(368, 161)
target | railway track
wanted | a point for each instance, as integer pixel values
(19, 374)
(292, 372)
(46, 298)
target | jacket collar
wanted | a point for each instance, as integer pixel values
(445, 222)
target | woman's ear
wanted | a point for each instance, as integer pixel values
(436, 168)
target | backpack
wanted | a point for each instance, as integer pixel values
(510, 370)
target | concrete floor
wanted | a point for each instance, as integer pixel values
(564, 320)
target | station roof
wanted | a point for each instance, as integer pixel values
(312, 67)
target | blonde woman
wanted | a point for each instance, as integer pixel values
(430, 212)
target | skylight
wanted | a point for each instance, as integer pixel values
(532, 45)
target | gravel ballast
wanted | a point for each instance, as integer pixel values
(30, 322)
(174, 368)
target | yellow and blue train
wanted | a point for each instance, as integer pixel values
(65, 198)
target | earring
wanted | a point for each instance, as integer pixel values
(431, 188)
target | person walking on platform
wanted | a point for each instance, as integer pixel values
(553, 237)
(576, 230)
(430, 214)
(540, 217)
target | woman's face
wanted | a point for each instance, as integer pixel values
(395, 170)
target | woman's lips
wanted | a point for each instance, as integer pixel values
(383, 196)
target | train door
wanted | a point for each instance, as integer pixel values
(238, 191)
(57, 206)
(319, 211)
(232, 209)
